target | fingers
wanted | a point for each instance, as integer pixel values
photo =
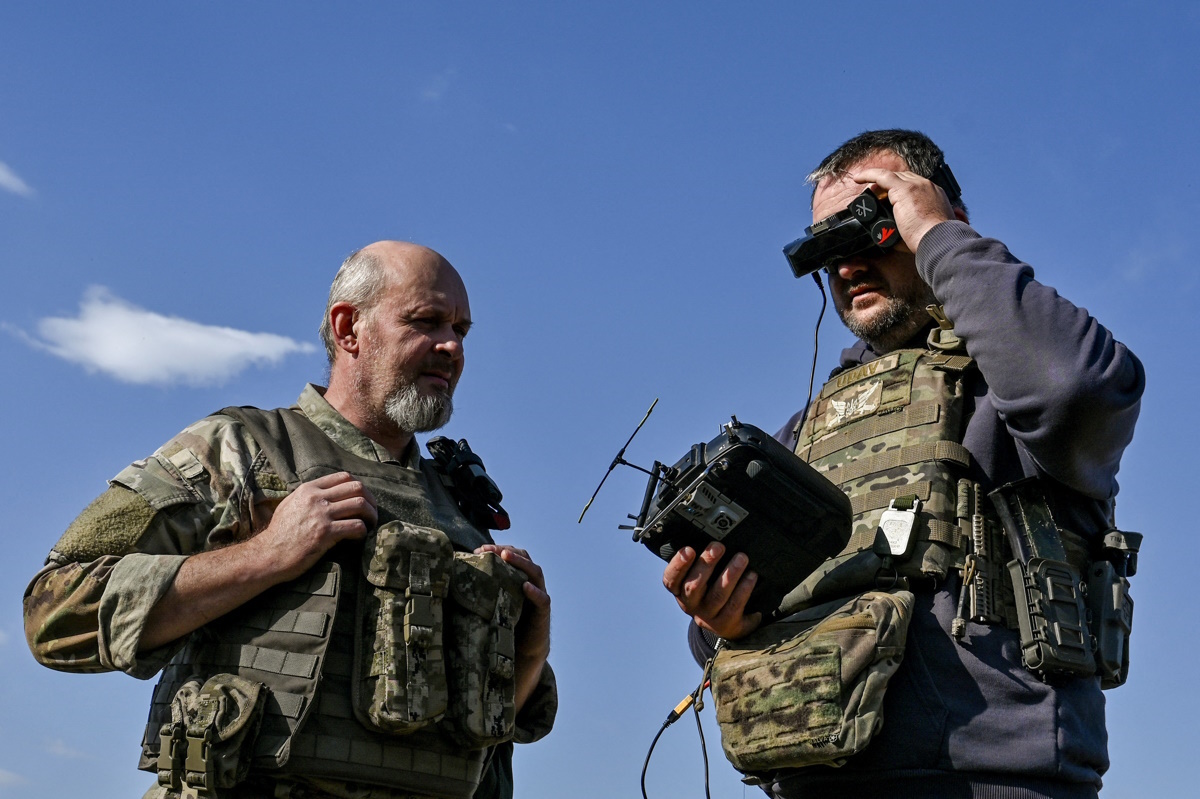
(918, 203)
(693, 589)
(677, 569)
(337, 497)
(350, 500)
(718, 605)
(883, 177)
(719, 594)
(730, 620)
(514, 556)
(533, 630)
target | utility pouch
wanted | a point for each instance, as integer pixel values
(209, 742)
(1055, 639)
(808, 689)
(486, 601)
(400, 683)
(1110, 605)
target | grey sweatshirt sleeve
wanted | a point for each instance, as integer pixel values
(1067, 391)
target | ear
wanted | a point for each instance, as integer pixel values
(960, 215)
(343, 319)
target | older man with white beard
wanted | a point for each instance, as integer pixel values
(331, 615)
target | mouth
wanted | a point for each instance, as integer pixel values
(439, 380)
(860, 289)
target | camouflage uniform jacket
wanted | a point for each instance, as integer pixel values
(86, 609)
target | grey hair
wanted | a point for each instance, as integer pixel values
(915, 148)
(359, 281)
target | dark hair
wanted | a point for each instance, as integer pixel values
(915, 148)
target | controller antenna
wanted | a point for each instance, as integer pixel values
(620, 459)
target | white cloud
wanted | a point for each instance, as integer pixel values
(8, 778)
(134, 345)
(437, 86)
(11, 181)
(59, 748)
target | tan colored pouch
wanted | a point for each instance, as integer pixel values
(485, 604)
(401, 672)
(808, 689)
(208, 744)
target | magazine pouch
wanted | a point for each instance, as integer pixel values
(400, 684)
(485, 604)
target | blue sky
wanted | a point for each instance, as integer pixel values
(178, 183)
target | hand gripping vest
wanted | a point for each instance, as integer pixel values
(430, 626)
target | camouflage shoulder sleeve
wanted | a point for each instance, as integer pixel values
(537, 715)
(196, 492)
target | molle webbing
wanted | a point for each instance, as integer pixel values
(279, 639)
(890, 432)
(905, 456)
(881, 498)
(912, 416)
(299, 451)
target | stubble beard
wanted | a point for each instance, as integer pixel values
(415, 412)
(891, 326)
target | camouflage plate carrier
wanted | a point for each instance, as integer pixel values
(887, 433)
(390, 663)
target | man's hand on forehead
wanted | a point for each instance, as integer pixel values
(918, 204)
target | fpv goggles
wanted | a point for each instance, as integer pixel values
(866, 224)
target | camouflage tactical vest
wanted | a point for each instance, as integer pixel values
(344, 701)
(809, 689)
(888, 433)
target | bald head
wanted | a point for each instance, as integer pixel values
(368, 272)
(394, 329)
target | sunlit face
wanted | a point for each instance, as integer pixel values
(411, 345)
(879, 296)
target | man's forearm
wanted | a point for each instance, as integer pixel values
(207, 586)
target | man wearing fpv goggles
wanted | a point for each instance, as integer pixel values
(973, 390)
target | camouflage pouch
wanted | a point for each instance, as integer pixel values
(209, 742)
(400, 683)
(486, 598)
(808, 689)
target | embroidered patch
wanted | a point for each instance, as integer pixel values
(862, 402)
(850, 376)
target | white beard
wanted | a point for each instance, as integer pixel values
(417, 413)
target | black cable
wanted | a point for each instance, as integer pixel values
(816, 346)
(703, 746)
(646, 765)
(673, 717)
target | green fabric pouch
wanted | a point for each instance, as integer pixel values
(401, 680)
(486, 599)
(808, 689)
(208, 745)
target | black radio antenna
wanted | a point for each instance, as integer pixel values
(619, 459)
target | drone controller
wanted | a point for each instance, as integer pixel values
(752, 494)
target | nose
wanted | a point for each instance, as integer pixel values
(849, 268)
(449, 343)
